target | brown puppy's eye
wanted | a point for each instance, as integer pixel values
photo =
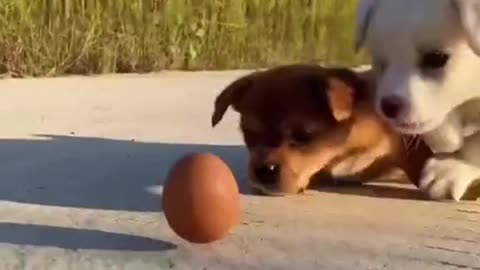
(434, 60)
(257, 139)
(301, 137)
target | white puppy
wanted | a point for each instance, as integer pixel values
(426, 54)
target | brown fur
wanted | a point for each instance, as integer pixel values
(302, 121)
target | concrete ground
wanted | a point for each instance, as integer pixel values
(82, 162)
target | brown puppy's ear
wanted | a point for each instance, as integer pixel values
(231, 95)
(336, 88)
(345, 87)
(340, 98)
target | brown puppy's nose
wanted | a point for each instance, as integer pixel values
(391, 106)
(267, 174)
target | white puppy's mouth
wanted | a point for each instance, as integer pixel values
(414, 128)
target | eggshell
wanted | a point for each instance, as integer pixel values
(200, 199)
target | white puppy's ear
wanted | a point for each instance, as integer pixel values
(469, 12)
(365, 9)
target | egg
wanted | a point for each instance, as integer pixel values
(200, 199)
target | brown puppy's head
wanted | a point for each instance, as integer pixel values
(294, 120)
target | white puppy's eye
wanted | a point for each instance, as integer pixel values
(433, 60)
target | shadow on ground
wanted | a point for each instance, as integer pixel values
(110, 174)
(377, 190)
(96, 173)
(74, 239)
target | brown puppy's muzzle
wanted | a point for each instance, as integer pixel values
(267, 173)
(271, 175)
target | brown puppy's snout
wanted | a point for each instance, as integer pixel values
(391, 106)
(267, 173)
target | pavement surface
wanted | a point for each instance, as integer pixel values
(82, 161)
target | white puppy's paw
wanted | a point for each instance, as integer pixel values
(448, 178)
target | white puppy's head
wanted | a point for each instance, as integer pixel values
(426, 54)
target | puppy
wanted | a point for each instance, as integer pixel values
(303, 121)
(426, 55)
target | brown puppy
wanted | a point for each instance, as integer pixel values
(302, 121)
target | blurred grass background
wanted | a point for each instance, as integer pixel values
(55, 37)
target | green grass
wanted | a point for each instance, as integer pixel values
(54, 37)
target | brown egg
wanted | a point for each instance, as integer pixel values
(200, 198)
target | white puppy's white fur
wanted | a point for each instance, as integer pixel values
(442, 103)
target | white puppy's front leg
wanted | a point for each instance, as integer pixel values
(448, 137)
(449, 176)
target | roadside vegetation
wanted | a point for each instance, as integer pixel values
(56, 37)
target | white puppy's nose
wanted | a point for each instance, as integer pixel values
(391, 106)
